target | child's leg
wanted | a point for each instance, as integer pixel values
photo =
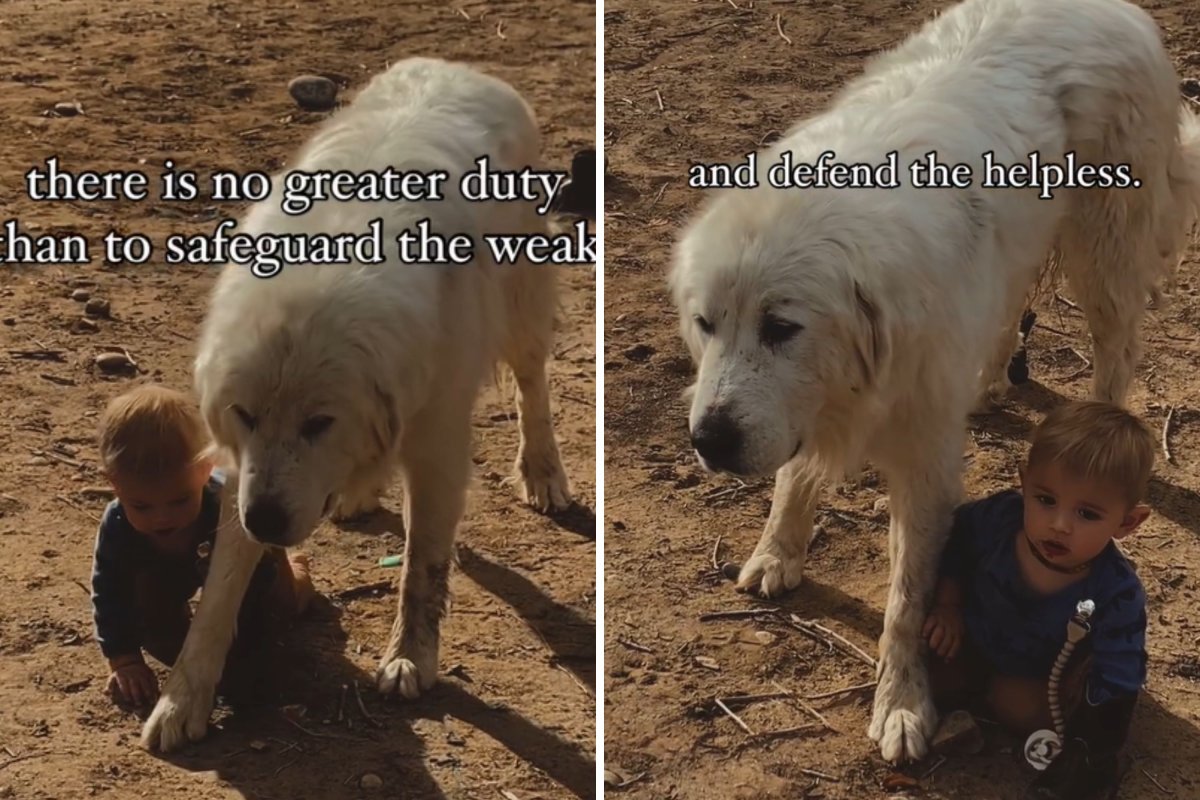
(959, 683)
(1023, 704)
(162, 616)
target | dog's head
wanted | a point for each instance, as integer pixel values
(289, 393)
(769, 285)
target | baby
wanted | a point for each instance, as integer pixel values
(1015, 568)
(155, 543)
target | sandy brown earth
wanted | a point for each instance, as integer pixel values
(708, 82)
(204, 84)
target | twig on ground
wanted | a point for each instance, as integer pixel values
(341, 712)
(80, 509)
(798, 701)
(70, 462)
(790, 731)
(500, 29)
(936, 766)
(812, 773)
(632, 645)
(658, 97)
(285, 766)
(1166, 432)
(733, 716)
(1058, 297)
(743, 699)
(848, 690)
(748, 613)
(24, 757)
(362, 707)
(365, 589)
(1161, 788)
(658, 196)
(318, 734)
(38, 355)
(845, 644)
(779, 27)
(716, 552)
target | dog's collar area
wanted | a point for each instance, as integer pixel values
(1050, 565)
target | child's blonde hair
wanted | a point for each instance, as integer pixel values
(1097, 441)
(151, 431)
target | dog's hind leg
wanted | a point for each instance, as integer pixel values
(435, 457)
(923, 493)
(777, 564)
(530, 305)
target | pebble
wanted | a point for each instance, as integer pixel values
(313, 92)
(80, 295)
(84, 325)
(1190, 87)
(113, 362)
(731, 571)
(68, 109)
(370, 781)
(881, 505)
(97, 307)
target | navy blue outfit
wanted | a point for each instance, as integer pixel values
(1020, 632)
(124, 559)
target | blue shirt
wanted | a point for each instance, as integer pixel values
(122, 554)
(1021, 632)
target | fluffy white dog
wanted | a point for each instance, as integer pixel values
(831, 326)
(323, 380)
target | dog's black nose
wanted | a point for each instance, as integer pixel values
(718, 440)
(267, 521)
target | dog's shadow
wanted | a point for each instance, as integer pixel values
(316, 727)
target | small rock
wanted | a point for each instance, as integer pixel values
(370, 781)
(113, 362)
(97, 307)
(84, 325)
(1190, 87)
(258, 745)
(6, 791)
(313, 92)
(731, 571)
(456, 740)
(958, 734)
(10, 321)
(707, 663)
(68, 109)
(80, 295)
(881, 505)
(766, 638)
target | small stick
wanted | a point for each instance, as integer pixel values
(363, 708)
(500, 29)
(812, 773)
(1161, 788)
(559, 666)
(367, 588)
(341, 715)
(848, 690)
(24, 757)
(658, 97)
(716, 552)
(86, 590)
(805, 706)
(86, 513)
(658, 196)
(70, 462)
(318, 734)
(744, 699)
(936, 766)
(55, 379)
(779, 27)
(1065, 301)
(38, 355)
(789, 731)
(632, 645)
(734, 716)
(745, 614)
(1166, 431)
(855, 649)
(285, 766)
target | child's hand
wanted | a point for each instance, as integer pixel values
(944, 630)
(133, 682)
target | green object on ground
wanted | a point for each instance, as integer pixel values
(391, 561)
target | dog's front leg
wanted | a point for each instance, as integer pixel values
(777, 564)
(183, 709)
(435, 460)
(922, 499)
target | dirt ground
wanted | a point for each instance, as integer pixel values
(204, 84)
(707, 82)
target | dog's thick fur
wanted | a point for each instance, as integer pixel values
(323, 380)
(908, 298)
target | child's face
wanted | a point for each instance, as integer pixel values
(165, 506)
(1069, 519)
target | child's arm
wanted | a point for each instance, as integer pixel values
(1118, 640)
(114, 612)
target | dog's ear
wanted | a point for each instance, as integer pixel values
(871, 344)
(385, 424)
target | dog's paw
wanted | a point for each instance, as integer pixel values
(770, 575)
(401, 676)
(903, 725)
(179, 717)
(543, 483)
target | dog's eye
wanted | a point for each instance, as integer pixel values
(245, 417)
(315, 426)
(705, 325)
(776, 331)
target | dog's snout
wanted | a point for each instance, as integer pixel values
(718, 440)
(267, 521)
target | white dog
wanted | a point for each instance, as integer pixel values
(321, 381)
(831, 326)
